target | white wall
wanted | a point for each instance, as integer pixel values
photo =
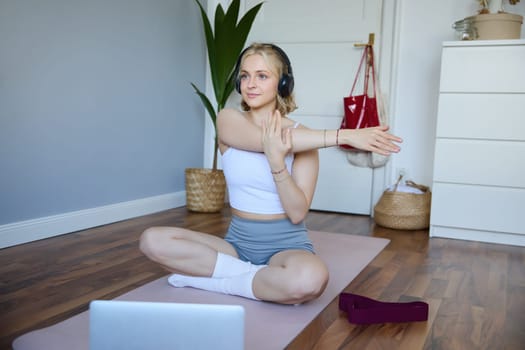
(423, 26)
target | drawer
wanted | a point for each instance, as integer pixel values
(496, 163)
(482, 116)
(483, 69)
(478, 207)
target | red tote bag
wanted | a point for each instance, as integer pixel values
(361, 109)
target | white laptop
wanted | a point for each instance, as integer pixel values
(134, 325)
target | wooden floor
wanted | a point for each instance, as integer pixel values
(476, 291)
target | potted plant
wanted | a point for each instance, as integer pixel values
(494, 23)
(493, 6)
(206, 188)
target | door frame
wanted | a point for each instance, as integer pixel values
(388, 60)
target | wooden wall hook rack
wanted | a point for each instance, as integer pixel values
(371, 39)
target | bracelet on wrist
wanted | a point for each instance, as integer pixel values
(278, 171)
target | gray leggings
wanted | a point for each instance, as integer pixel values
(257, 241)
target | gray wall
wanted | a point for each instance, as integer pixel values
(96, 105)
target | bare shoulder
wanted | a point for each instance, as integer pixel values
(228, 118)
(229, 113)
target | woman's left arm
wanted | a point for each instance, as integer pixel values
(296, 191)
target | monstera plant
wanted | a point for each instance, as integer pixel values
(205, 188)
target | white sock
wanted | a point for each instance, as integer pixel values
(240, 285)
(229, 266)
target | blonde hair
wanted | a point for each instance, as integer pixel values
(276, 63)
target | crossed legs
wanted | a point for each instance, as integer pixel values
(291, 276)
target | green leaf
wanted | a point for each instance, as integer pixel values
(206, 102)
(224, 33)
(232, 14)
(217, 74)
(244, 27)
(230, 85)
(219, 17)
(210, 45)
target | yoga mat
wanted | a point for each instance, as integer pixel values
(268, 325)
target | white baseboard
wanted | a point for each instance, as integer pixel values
(35, 229)
(477, 235)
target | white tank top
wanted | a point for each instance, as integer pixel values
(251, 187)
(249, 178)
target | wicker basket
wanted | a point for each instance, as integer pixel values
(205, 190)
(404, 211)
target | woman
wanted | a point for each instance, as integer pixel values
(271, 166)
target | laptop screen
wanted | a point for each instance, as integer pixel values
(130, 325)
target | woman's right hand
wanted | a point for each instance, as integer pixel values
(376, 139)
(276, 142)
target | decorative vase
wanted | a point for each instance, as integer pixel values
(495, 26)
(205, 190)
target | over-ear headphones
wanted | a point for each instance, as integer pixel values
(286, 81)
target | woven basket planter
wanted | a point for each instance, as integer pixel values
(404, 211)
(205, 190)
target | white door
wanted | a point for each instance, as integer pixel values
(319, 38)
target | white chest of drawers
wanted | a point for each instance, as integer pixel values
(478, 189)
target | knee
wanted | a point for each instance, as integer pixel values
(315, 281)
(148, 242)
(309, 283)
